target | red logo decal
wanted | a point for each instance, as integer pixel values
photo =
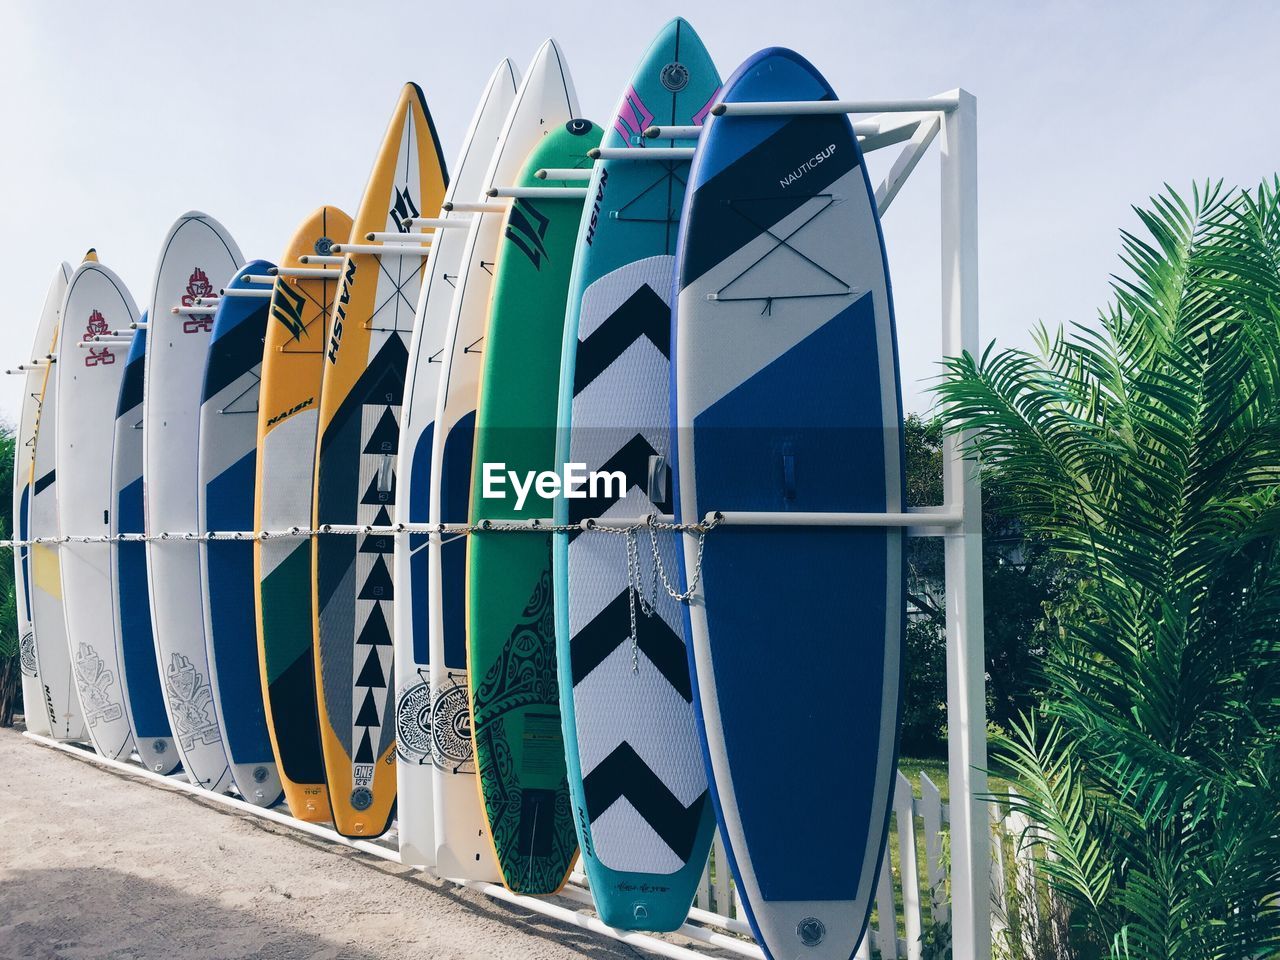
(98, 327)
(198, 285)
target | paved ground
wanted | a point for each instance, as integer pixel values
(98, 864)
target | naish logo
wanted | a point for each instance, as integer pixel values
(403, 210)
(527, 228)
(811, 163)
(340, 311)
(290, 412)
(287, 308)
(595, 207)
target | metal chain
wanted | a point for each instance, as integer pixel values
(635, 584)
(702, 530)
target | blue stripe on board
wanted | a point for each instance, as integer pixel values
(146, 699)
(773, 74)
(24, 553)
(235, 633)
(455, 502)
(742, 443)
(131, 382)
(419, 556)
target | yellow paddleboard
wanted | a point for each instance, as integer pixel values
(365, 356)
(288, 409)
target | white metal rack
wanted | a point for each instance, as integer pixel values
(950, 118)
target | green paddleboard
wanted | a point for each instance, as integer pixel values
(511, 645)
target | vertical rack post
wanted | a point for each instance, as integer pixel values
(966, 667)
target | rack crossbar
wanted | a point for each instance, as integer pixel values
(563, 173)
(467, 206)
(387, 236)
(539, 193)
(384, 250)
(641, 154)
(438, 223)
(309, 273)
(787, 108)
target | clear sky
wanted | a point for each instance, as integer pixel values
(118, 117)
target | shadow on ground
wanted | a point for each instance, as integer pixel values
(41, 918)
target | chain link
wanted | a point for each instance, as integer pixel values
(630, 534)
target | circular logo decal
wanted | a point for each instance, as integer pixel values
(675, 77)
(324, 246)
(259, 774)
(451, 731)
(361, 798)
(27, 652)
(413, 723)
(578, 127)
(811, 931)
(159, 746)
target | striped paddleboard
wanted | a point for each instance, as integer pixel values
(635, 768)
(359, 426)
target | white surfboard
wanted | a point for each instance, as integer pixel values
(53, 659)
(545, 101)
(411, 635)
(97, 304)
(197, 259)
(34, 712)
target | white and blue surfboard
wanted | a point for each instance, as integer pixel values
(135, 644)
(227, 471)
(786, 399)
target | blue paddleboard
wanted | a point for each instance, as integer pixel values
(787, 399)
(227, 468)
(140, 680)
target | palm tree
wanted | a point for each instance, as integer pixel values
(10, 667)
(1146, 451)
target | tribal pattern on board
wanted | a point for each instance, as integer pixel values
(518, 703)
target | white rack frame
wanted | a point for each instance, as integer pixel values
(952, 116)
(958, 519)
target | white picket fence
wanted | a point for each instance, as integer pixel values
(896, 931)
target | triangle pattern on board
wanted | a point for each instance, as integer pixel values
(364, 753)
(643, 315)
(376, 495)
(385, 436)
(368, 714)
(373, 677)
(374, 633)
(377, 585)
